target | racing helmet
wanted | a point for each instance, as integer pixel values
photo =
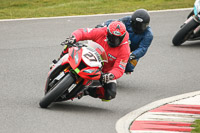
(116, 32)
(140, 20)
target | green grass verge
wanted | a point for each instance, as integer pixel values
(196, 127)
(10, 9)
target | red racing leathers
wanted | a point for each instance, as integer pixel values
(117, 57)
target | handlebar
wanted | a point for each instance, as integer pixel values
(73, 45)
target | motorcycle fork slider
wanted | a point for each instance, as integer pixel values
(67, 69)
(79, 80)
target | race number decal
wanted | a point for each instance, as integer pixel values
(90, 56)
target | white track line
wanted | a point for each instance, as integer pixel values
(97, 15)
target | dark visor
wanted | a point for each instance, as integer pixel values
(114, 41)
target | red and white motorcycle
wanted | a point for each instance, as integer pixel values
(74, 73)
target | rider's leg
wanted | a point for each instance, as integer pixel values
(110, 90)
(107, 91)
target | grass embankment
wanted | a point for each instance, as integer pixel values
(196, 126)
(10, 9)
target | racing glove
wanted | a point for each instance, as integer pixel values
(99, 26)
(106, 77)
(69, 41)
(132, 57)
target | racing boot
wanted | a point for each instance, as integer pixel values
(97, 92)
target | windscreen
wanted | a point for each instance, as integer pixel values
(99, 49)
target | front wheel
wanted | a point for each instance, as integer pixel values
(184, 33)
(57, 91)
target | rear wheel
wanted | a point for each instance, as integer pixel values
(57, 90)
(184, 33)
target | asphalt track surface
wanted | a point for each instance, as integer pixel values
(27, 47)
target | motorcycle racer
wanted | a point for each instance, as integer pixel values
(140, 35)
(114, 39)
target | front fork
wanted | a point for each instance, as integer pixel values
(197, 30)
(80, 82)
(196, 18)
(78, 86)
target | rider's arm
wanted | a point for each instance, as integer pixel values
(88, 34)
(144, 45)
(121, 61)
(124, 20)
(106, 23)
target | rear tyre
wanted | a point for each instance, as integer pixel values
(57, 91)
(184, 33)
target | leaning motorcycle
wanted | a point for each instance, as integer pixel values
(190, 30)
(74, 73)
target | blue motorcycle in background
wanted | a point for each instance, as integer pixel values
(190, 30)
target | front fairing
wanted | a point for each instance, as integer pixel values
(92, 54)
(91, 58)
(90, 73)
(75, 54)
(87, 60)
(56, 70)
(60, 64)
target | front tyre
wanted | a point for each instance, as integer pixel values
(57, 91)
(184, 33)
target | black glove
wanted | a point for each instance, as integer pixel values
(106, 77)
(69, 41)
(99, 26)
(132, 57)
